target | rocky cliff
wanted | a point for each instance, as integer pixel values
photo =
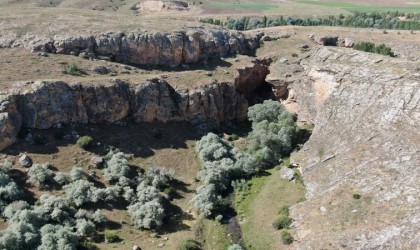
(360, 165)
(168, 49)
(42, 104)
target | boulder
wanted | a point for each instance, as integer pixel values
(287, 173)
(135, 247)
(25, 161)
(101, 70)
(97, 162)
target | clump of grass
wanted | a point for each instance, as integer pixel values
(85, 142)
(189, 244)
(294, 55)
(286, 238)
(283, 221)
(111, 236)
(74, 70)
(357, 196)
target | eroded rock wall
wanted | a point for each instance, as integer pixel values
(361, 164)
(43, 104)
(168, 49)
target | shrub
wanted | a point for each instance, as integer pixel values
(111, 236)
(39, 175)
(62, 178)
(213, 148)
(85, 227)
(117, 167)
(282, 222)
(74, 70)
(158, 176)
(381, 49)
(170, 191)
(189, 244)
(6, 166)
(58, 237)
(84, 142)
(357, 196)
(78, 174)
(147, 215)
(206, 199)
(9, 191)
(286, 238)
(15, 207)
(80, 192)
(99, 217)
(294, 55)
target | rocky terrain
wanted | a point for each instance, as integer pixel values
(168, 49)
(365, 108)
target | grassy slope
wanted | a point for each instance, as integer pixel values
(260, 207)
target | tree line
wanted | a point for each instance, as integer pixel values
(386, 20)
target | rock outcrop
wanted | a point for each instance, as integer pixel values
(361, 162)
(153, 49)
(153, 5)
(43, 104)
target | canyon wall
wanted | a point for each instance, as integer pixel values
(361, 164)
(169, 49)
(42, 104)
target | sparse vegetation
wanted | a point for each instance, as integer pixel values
(381, 49)
(286, 237)
(74, 70)
(189, 244)
(85, 142)
(111, 236)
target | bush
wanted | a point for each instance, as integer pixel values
(74, 70)
(39, 175)
(147, 215)
(286, 238)
(78, 174)
(189, 244)
(15, 207)
(85, 227)
(62, 178)
(58, 237)
(381, 49)
(213, 148)
(111, 236)
(80, 192)
(282, 222)
(158, 176)
(9, 191)
(84, 142)
(170, 191)
(117, 167)
(206, 199)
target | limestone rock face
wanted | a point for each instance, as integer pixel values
(162, 49)
(366, 113)
(43, 104)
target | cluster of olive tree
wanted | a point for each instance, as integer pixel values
(222, 164)
(273, 128)
(9, 190)
(117, 169)
(39, 175)
(53, 223)
(146, 203)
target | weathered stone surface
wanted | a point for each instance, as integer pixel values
(163, 49)
(101, 70)
(43, 104)
(366, 111)
(287, 173)
(25, 161)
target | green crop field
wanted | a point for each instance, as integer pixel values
(307, 7)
